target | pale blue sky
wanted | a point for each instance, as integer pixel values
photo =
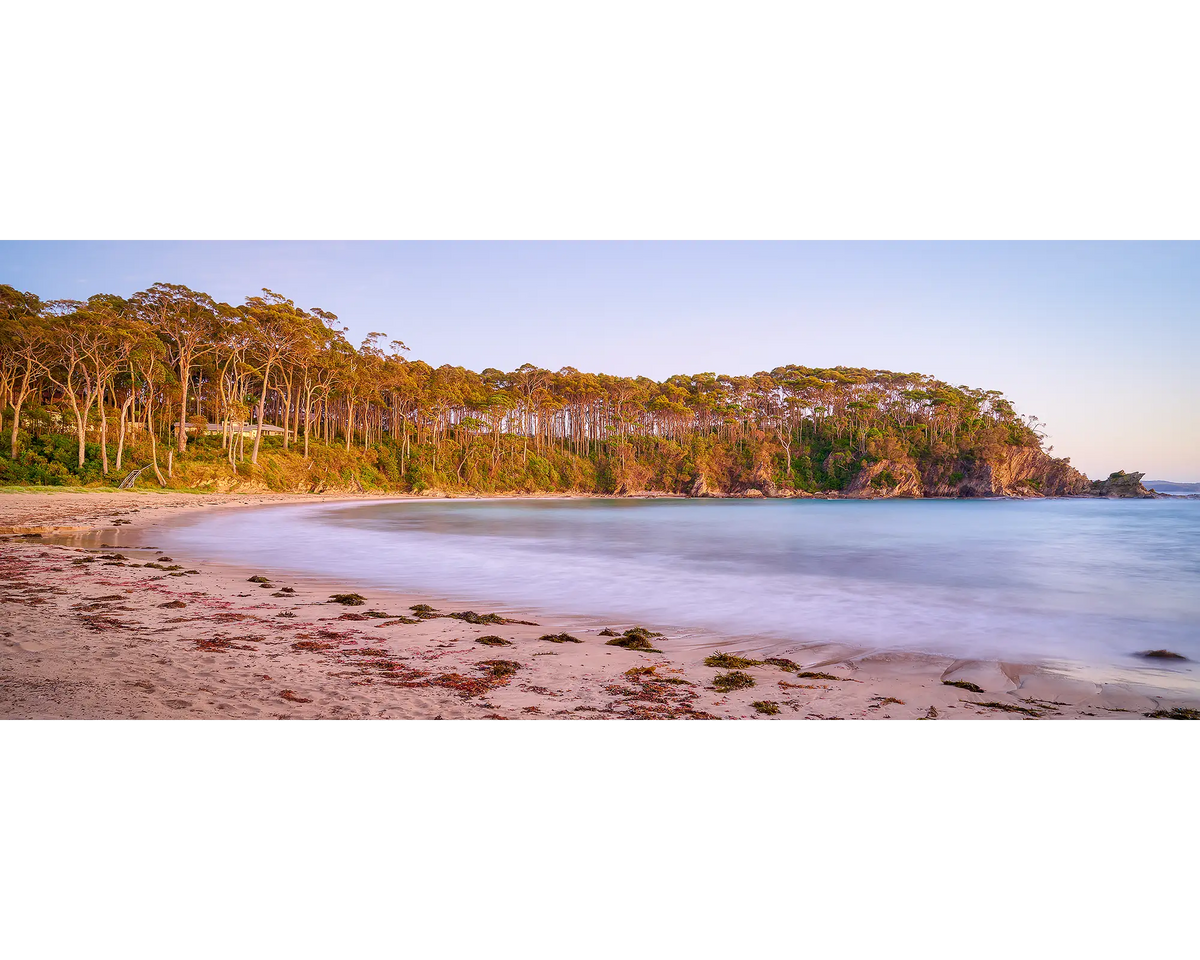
(1100, 340)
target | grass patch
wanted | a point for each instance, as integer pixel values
(733, 680)
(769, 707)
(964, 685)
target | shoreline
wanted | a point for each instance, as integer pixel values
(85, 636)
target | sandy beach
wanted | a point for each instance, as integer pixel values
(93, 630)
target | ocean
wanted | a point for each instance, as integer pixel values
(1089, 582)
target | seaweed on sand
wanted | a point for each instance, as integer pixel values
(470, 616)
(730, 661)
(817, 675)
(499, 668)
(964, 685)
(636, 638)
(294, 697)
(258, 579)
(783, 664)
(559, 638)
(769, 707)
(1175, 713)
(1162, 655)
(1006, 707)
(348, 599)
(493, 641)
(733, 680)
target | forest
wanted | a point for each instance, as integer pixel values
(268, 395)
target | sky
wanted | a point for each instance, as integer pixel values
(1100, 340)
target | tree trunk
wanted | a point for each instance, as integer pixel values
(121, 434)
(184, 369)
(153, 444)
(262, 402)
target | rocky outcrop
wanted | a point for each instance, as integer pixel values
(699, 487)
(1121, 484)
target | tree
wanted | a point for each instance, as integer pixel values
(25, 343)
(275, 327)
(189, 323)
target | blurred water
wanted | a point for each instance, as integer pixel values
(1082, 580)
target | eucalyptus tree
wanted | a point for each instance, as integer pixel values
(141, 350)
(190, 325)
(275, 327)
(530, 384)
(150, 363)
(66, 366)
(24, 345)
(107, 333)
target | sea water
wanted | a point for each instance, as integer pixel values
(1091, 581)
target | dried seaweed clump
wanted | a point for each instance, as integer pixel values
(560, 638)
(636, 638)
(258, 579)
(964, 685)
(470, 616)
(769, 707)
(730, 661)
(733, 680)
(499, 668)
(1175, 713)
(349, 599)
(493, 641)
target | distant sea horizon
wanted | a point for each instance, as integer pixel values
(1172, 486)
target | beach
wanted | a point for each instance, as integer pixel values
(90, 629)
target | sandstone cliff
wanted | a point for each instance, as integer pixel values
(1020, 471)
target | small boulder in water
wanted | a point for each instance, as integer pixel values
(1162, 655)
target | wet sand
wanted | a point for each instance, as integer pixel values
(92, 629)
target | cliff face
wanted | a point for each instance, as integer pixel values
(1018, 472)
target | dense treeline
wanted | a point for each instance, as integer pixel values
(199, 390)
